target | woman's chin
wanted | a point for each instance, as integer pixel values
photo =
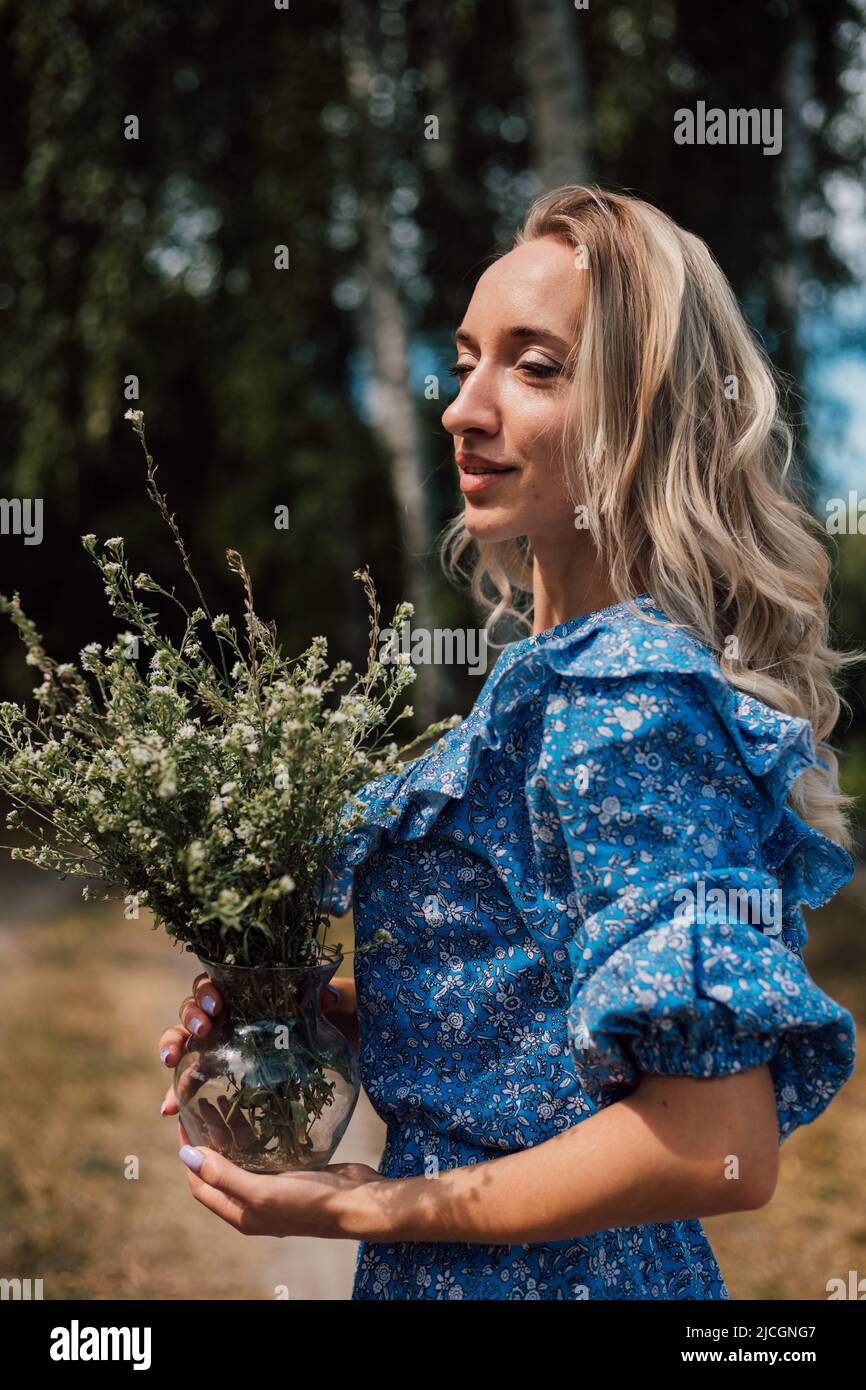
(491, 523)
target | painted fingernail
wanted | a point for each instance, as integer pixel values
(191, 1157)
(195, 1025)
(162, 1108)
(208, 1003)
(165, 1053)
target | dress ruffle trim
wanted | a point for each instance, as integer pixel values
(692, 999)
(775, 748)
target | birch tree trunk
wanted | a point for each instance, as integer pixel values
(384, 330)
(798, 178)
(556, 84)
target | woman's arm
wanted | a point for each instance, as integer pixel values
(675, 1148)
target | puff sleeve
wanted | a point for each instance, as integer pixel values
(669, 791)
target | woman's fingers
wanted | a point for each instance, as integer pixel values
(172, 1045)
(194, 1018)
(199, 1008)
(345, 1002)
(207, 995)
(196, 1012)
(342, 1012)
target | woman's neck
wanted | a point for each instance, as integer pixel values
(565, 586)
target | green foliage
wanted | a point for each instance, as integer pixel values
(153, 257)
(214, 792)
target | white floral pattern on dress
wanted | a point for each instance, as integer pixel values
(529, 873)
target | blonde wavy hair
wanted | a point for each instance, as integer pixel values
(676, 445)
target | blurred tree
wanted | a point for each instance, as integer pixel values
(555, 77)
(385, 192)
(154, 257)
(767, 218)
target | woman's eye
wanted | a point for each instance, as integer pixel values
(540, 368)
(534, 368)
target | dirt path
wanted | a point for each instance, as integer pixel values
(84, 996)
(83, 999)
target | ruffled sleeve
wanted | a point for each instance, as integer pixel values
(372, 810)
(668, 789)
(404, 805)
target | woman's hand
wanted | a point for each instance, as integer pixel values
(200, 1008)
(304, 1203)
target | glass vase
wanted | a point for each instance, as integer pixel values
(273, 1084)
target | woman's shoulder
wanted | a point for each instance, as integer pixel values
(649, 700)
(614, 680)
(634, 657)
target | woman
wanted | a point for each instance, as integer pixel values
(581, 1003)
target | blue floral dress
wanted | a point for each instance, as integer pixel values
(562, 894)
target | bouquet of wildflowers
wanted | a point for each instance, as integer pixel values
(212, 790)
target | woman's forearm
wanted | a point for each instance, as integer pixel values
(675, 1149)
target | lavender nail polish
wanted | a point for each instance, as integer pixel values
(195, 1026)
(191, 1157)
(164, 1053)
(208, 1003)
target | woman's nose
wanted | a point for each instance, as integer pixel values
(473, 408)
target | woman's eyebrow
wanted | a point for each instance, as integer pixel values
(521, 331)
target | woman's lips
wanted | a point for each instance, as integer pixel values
(476, 475)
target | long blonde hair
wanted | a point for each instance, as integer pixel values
(676, 445)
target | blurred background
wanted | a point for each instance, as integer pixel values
(153, 157)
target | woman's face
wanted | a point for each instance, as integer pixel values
(510, 410)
